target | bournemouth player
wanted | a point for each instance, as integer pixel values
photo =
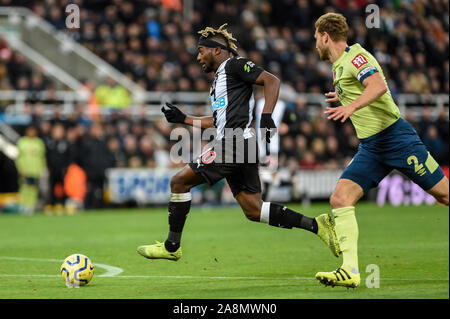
(387, 141)
(232, 103)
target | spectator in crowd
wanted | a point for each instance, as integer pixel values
(301, 146)
(161, 155)
(318, 148)
(30, 165)
(96, 159)
(74, 139)
(434, 143)
(425, 121)
(308, 161)
(418, 82)
(111, 94)
(146, 147)
(131, 147)
(118, 156)
(294, 118)
(87, 88)
(333, 156)
(443, 132)
(58, 159)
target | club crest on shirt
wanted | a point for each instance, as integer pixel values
(248, 66)
(208, 157)
(337, 73)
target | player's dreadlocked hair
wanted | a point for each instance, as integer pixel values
(208, 32)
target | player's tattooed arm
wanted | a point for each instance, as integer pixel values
(271, 90)
(374, 89)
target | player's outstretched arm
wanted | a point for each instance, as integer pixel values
(374, 88)
(271, 90)
(200, 121)
(174, 115)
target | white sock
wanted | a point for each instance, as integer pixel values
(265, 212)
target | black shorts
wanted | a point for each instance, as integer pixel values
(239, 176)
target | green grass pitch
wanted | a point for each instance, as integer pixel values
(224, 255)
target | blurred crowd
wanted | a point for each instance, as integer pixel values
(155, 46)
(152, 43)
(78, 150)
(17, 74)
(124, 141)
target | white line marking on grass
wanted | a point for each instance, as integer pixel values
(40, 276)
(268, 278)
(111, 271)
(228, 277)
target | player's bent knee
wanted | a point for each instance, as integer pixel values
(339, 199)
(336, 200)
(440, 192)
(251, 205)
(442, 200)
(177, 184)
(252, 214)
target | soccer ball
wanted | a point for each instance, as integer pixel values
(77, 270)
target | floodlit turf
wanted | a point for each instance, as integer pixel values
(225, 255)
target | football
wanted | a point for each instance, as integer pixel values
(77, 270)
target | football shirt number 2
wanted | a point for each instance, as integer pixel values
(418, 167)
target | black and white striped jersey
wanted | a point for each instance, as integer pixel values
(232, 99)
(232, 103)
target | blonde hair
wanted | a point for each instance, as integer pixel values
(334, 24)
(208, 31)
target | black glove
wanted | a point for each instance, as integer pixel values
(267, 126)
(173, 114)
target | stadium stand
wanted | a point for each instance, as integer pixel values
(153, 44)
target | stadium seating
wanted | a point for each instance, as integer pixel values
(155, 46)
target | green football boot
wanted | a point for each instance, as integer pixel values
(339, 277)
(158, 251)
(325, 223)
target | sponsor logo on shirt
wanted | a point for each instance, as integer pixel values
(359, 61)
(218, 104)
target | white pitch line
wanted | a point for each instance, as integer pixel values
(22, 275)
(266, 278)
(227, 277)
(111, 271)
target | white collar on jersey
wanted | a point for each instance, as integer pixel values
(222, 66)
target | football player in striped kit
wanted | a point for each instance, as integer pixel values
(233, 153)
